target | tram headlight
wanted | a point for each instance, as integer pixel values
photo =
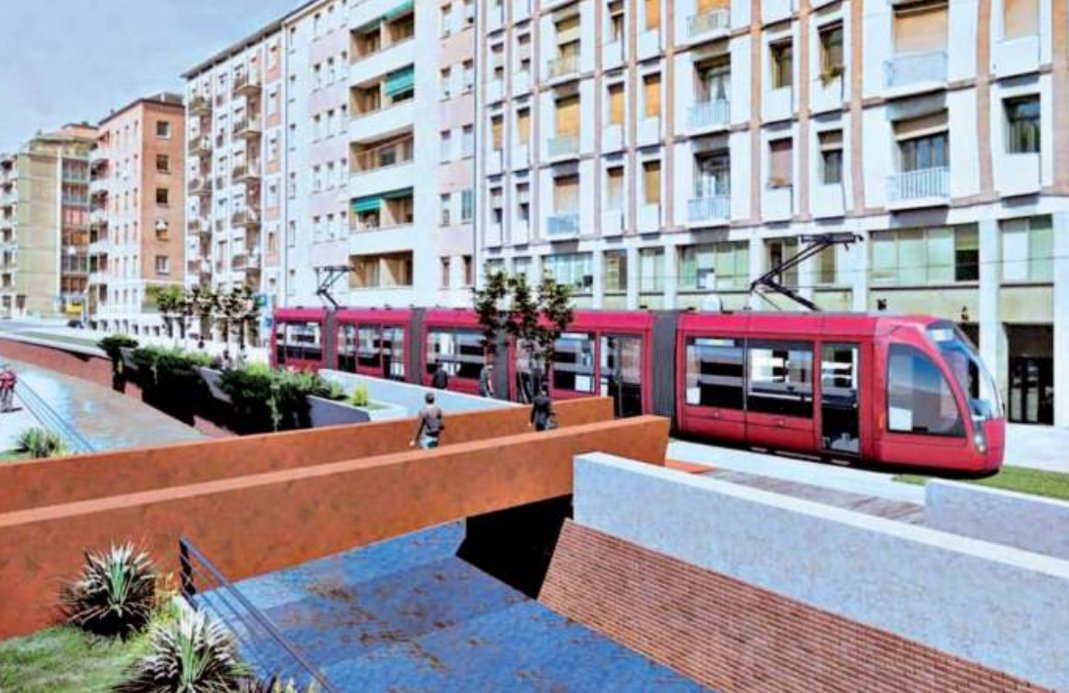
(980, 441)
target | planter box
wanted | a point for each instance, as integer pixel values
(325, 412)
(128, 359)
(213, 379)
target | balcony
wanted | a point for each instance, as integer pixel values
(98, 219)
(201, 267)
(920, 186)
(239, 262)
(200, 146)
(199, 186)
(709, 115)
(245, 217)
(247, 128)
(200, 106)
(563, 146)
(246, 173)
(562, 226)
(197, 227)
(564, 66)
(913, 69)
(98, 278)
(100, 246)
(246, 84)
(708, 22)
(383, 156)
(714, 209)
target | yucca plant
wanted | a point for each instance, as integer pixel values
(192, 654)
(115, 594)
(40, 443)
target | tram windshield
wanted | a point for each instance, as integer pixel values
(964, 362)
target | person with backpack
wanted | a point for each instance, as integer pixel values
(440, 379)
(486, 381)
(542, 416)
(431, 424)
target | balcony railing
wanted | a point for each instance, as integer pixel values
(558, 225)
(919, 184)
(200, 106)
(563, 66)
(914, 68)
(239, 261)
(199, 186)
(245, 217)
(246, 84)
(712, 20)
(709, 114)
(711, 208)
(246, 172)
(384, 156)
(564, 145)
(200, 145)
(247, 127)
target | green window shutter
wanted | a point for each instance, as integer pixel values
(397, 194)
(398, 11)
(367, 204)
(400, 81)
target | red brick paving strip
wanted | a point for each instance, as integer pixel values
(732, 636)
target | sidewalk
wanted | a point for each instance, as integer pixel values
(12, 424)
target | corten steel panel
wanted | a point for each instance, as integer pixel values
(27, 485)
(255, 524)
(96, 369)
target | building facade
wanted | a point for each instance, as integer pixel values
(44, 225)
(137, 217)
(664, 154)
(304, 156)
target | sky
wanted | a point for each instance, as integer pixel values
(74, 60)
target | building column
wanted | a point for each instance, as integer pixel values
(634, 278)
(671, 281)
(756, 269)
(857, 272)
(597, 266)
(990, 319)
(1060, 253)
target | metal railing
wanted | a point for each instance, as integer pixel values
(384, 156)
(711, 208)
(245, 216)
(564, 65)
(563, 145)
(200, 105)
(562, 224)
(52, 420)
(919, 184)
(913, 68)
(247, 126)
(713, 20)
(707, 114)
(207, 590)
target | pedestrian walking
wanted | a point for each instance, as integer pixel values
(542, 416)
(486, 381)
(440, 379)
(431, 424)
(8, 380)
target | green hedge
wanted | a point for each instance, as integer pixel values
(266, 400)
(161, 367)
(111, 345)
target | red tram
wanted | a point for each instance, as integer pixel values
(894, 390)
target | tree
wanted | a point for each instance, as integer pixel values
(169, 302)
(205, 303)
(555, 303)
(228, 310)
(246, 315)
(488, 306)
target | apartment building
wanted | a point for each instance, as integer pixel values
(332, 173)
(44, 225)
(137, 213)
(663, 154)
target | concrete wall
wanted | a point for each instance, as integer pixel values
(255, 524)
(25, 485)
(990, 604)
(1040, 525)
(411, 396)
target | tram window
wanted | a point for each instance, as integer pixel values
(459, 351)
(781, 379)
(393, 350)
(919, 398)
(303, 341)
(347, 348)
(715, 373)
(574, 365)
(369, 346)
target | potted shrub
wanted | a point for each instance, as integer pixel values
(213, 378)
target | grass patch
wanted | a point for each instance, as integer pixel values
(66, 659)
(1037, 482)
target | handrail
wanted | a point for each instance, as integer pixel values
(224, 589)
(51, 419)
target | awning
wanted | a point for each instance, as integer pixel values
(400, 81)
(369, 27)
(397, 194)
(396, 12)
(367, 204)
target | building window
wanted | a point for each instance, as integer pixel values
(782, 59)
(445, 202)
(445, 272)
(614, 188)
(920, 28)
(523, 125)
(616, 104)
(469, 75)
(714, 266)
(163, 264)
(447, 78)
(566, 194)
(523, 52)
(163, 197)
(651, 182)
(653, 15)
(467, 206)
(467, 141)
(651, 270)
(651, 95)
(1022, 125)
(1020, 18)
(163, 129)
(617, 21)
(567, 116)
(831, 51)
(918, 257)
(614, 275)
(831, 157)
(573, 269)
(163, 163)
(469, 275)
(781, 163)
(446, 145)
(1027, 248)
(497, 132)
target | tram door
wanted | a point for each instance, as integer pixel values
(621, 373)
(839, 410)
